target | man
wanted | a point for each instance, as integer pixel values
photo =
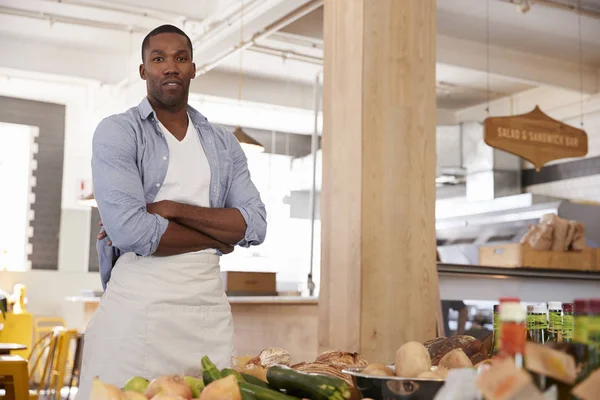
(463, 315)
(174, 193)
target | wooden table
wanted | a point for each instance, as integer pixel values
(6, 348)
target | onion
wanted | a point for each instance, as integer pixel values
(105, 391)
(222, 389)
(162, 396)
(134, 396)
(171, 385)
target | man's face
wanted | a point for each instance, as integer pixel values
(168, 69)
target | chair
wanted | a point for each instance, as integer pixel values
(18, 329)
(14, 377)
(45, 325)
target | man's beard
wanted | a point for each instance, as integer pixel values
(169, 100)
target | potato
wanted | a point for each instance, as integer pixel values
(377, 370)
(412, 359)
(428, 375)
(455, 359)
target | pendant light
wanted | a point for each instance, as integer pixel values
(248, 143)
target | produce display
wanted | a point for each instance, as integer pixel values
(511, 357)
(267, 376)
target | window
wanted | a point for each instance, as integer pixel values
(16, 145)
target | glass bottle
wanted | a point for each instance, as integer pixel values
(498, 338)
(538, 332)
(568, 322)
(512, 326)
(555, 322)
(594, 333)
(495, 333)
(529, 317)
(580, 337)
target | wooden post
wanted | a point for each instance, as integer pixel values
(379, 285)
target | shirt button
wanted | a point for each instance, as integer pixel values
(158, 185)
(164, 158)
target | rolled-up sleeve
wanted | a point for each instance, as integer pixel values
(119, 191)
(244, 196)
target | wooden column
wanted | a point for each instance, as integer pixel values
(379, 283)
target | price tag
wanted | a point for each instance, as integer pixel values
(504, 381)
(588, 389)
(549, 362)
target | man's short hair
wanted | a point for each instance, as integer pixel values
(166, 29)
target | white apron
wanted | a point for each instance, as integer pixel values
(158, 316)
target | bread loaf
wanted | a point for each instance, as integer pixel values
(472, 347)
(578, 243)
(539, 237)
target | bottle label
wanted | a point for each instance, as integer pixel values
(538, 321)
(594, 331)
(550, 362)
(568, 326)
(588, 389)
(513, 338)
(580, 334)
(556, 321)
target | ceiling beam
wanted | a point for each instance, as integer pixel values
(220, 37)
(522, 66)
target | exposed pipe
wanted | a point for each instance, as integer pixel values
(314, 144)
(286, 54)
(71, 20)
(299, 40)
(553, 4)
(144, 11)
(274, 27)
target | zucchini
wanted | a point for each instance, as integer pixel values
(210, 372)
(228, 371)
(261, 393)
(255, 381)
(248, 395)
(313, 386)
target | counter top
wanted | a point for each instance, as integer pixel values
(232, 299)
(535, 273)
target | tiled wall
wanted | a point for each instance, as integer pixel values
(47, 177)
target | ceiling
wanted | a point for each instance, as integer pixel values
(548, 45)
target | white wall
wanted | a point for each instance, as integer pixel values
(568, 107)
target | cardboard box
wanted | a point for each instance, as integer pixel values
(238, 283)
(517, 255)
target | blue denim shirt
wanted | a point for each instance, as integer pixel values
(130, 157)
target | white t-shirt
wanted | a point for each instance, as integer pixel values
(188, 174)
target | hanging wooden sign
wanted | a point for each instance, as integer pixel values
(536, 137)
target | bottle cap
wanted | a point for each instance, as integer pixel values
(594, 305)
(568, 307)
(510, 300)
(554, 305)
(512, 312)
(540, 308)
(529, 309)
(581, 306)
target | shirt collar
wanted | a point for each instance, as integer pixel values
(145, 109)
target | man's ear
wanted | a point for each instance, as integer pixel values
(194, 70)
(142, 72)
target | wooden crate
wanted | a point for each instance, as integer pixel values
(516, 255)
